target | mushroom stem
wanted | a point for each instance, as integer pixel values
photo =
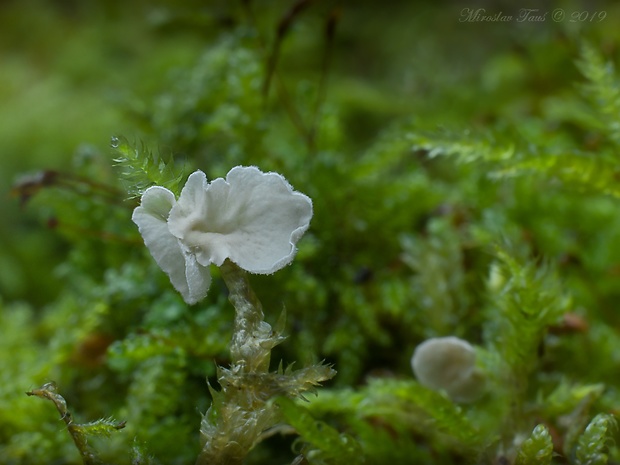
(250, 349)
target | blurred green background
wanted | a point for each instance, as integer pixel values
(69, 70)
(73, 73)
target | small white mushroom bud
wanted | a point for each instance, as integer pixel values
(448, 364)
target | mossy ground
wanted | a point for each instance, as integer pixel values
(464, 176)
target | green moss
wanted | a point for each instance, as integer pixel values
(464, 182)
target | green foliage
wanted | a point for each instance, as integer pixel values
(582, 171)
(157, 391)
(399, 401)
(537, 449)
(213, 110)
(140, 168)
(79, 432)
(438, 284)
(566, 398)
(522, 155)
(500, 227)
(466, 147)
(525, 300)
(323, 444)
(593, 442)
(394, 410)
(602, 88)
